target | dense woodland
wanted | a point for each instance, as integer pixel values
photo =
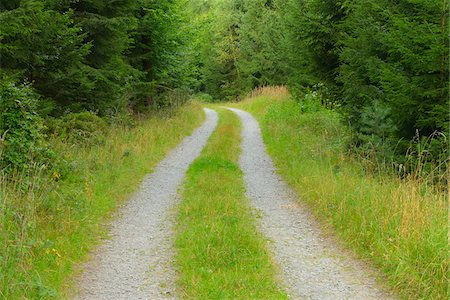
(383, 64)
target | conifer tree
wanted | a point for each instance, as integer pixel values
(394, 54)
(44, 48)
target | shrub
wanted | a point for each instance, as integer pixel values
(204, 97)
(21, 138)
(312, 102)
(78, 128)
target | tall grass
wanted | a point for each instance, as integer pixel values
(220, 253)
(269, 91)
(49, 222)
(399, 224)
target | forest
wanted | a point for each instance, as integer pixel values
(383, 65)
(79, 76)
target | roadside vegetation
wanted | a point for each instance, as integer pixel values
(399, 224)
(50, 220)
(90, 101)
(220, 254)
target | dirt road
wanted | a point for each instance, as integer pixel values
(136, 263)
(312, 267)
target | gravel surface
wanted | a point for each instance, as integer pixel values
(136, 263)
(312, 266)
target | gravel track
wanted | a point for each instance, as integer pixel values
(136, 263)
(312, 266)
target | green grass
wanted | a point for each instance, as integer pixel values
(220, 254)
(400, 226)
(49, 226)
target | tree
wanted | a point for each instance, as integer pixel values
(218, 53)
(43, 47)
(395, 53)
(259, 43)
(312, 43)
(107, 28)
(160, 48)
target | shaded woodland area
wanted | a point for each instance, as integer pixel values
(382, 64)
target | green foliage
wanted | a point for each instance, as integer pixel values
(375, 138)
(259, 35)
(108, 29)
(135, 55)
(45, 48)
(160, 53)
(90, 55)
(22, 142)
(84, 128)
(312, 43)
(376, 120)
(311, 102)
(402, 64)
(236, 47)
(384, 63)
(204, 97)
(220, 72)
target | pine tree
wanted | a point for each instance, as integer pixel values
(43, 47)
(259, 39)
(395, 53)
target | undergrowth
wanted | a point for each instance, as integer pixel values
(220, 253)
(400, 224)
(48, 222)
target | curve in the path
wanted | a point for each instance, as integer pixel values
(312, 267)
(136, 263)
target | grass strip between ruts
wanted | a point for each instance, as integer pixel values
(220, 254)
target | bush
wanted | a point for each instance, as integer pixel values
(204, 97)
(78, 128)
(21, 138)
(312, 102)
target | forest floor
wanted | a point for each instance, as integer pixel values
(138, 261)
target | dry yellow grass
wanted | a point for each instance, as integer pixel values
(275, 92)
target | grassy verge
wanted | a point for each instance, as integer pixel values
(48, 226)
(399, 225)
(220, 254)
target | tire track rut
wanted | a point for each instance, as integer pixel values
(136, 262)
(312, 267)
